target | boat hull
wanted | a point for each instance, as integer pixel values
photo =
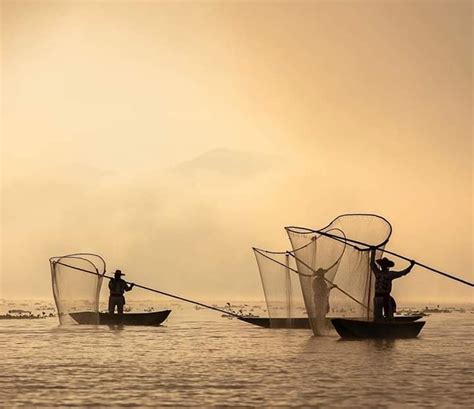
(303, 323)
(350, 328)
(294, 323)
(147, 318)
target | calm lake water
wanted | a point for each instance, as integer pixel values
(199, 358)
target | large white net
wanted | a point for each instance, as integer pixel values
(318, 259)
(76, 280)
(281, 288)
(334, 269)
(331, 266)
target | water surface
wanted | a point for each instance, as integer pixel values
(199, 358)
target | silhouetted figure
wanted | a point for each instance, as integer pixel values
(384, 304)
(117, 288)
(321, 289)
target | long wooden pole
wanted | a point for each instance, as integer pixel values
(153, 290)
(350, 241)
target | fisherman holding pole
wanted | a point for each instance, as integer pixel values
(321, 290)
(383, 284)
(117, 288)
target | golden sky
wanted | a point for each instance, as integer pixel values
(171, 137)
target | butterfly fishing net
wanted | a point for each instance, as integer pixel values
(77, 279)
(281, 288)
(333, 266)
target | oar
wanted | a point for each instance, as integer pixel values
(153, 290)
(350, 241)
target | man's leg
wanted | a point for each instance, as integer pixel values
(111, 305)
(387, 307)
(378, 306)
(120, 303)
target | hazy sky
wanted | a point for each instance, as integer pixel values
(171, 137)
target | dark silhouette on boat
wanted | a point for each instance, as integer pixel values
(384, 304)
(118, 287)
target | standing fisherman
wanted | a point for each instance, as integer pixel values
(117, 288)
(383, 284)
(321, 290)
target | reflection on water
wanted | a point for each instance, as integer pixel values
(198, 358)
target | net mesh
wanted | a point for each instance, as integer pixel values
(318, 259)
(75, 288)
(281, 287)
(333, 266)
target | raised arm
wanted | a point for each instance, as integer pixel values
(398, 274)
(129, 286)
(373, 265)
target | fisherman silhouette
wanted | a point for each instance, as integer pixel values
(117, 288)
(321, 291)
(383, 285)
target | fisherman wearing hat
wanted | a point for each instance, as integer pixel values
(383, 284)
(321, 288)
(117, 288)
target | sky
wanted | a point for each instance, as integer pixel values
(171, 137)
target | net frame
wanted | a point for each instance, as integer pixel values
(270, 282)
(96, 267)
(279, 287)
(356, 258)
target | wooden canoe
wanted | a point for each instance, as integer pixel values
(303, 323)
(351, 328)
(144, 318)
(295, 323)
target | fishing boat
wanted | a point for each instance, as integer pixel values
(145, 318)
(396, 328)
(304, 323)
(294, 323)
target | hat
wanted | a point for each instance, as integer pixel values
(119, 273)
(385, 262)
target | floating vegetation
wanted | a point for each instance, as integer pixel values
(241, 310)
(24, 315)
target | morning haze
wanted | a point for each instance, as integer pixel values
(172, 137)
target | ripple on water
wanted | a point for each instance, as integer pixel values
(223, 362)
